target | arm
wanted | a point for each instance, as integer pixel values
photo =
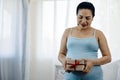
(106, 56)
(63, 49)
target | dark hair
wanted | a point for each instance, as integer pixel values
(86, 5)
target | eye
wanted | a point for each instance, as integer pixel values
(88, 18)
(80, 17)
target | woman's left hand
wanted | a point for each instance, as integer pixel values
(89, 65)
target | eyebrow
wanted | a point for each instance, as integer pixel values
(81, 15)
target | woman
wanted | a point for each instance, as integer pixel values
(83, 42)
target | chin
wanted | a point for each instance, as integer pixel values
(85, 27)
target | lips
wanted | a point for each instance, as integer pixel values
(83, 25)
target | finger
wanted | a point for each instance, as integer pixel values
(86, 69)
(64, 64)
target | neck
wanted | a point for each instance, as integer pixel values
(83, 29)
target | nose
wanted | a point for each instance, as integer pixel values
(83, 20)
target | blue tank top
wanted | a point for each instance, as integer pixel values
(82, 48)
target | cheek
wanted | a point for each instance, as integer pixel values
(79, 20)
(89, 22)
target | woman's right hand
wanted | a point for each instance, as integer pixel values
(64, 64)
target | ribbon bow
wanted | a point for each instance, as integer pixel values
(75, 64)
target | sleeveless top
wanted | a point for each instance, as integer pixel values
(82, 48)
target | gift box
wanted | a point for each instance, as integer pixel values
(75, 65)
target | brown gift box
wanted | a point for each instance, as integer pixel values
(75, 65)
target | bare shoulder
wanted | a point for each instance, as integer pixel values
(67, 31)
(99, 33)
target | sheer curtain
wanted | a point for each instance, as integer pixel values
(13, 29)
(118, 74)
(49, 18)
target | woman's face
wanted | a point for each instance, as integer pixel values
(84, 18)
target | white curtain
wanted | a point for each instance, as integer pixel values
(49, 18)
(118, 73)
(13, 29)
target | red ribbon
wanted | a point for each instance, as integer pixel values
(75, 64)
